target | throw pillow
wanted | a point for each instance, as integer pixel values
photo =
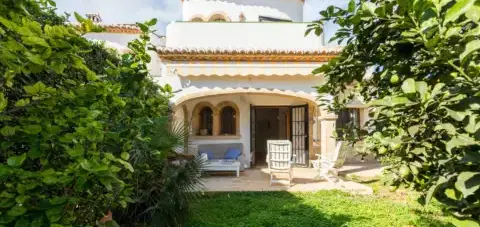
(209, 154)
(232, 153)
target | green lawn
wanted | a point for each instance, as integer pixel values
(324, 208)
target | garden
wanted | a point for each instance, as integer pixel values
(86, 136)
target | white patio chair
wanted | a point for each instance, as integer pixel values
(328, 163)
(280, 159)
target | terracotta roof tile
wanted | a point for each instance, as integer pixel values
(269, 55)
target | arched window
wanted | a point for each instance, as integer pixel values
(197, 19)
(219, 18)
(228, 120)
(206, 122)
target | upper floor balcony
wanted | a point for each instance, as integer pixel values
(242, 35)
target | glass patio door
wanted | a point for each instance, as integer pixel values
(299, 134)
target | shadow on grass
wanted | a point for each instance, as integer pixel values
(260, 209)
(362, 167)
(430, 219)
(323, 208)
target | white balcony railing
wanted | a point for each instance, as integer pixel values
(233, 35)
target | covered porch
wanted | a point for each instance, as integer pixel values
(251, 117)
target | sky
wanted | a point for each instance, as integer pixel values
(131, 11)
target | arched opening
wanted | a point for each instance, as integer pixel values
(218, 18)
(228, 121)
(206, 121)
(196, 19)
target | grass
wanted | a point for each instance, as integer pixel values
(324, 208)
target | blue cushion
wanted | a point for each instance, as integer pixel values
(232, 153)
(209, 154)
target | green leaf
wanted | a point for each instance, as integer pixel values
(21, 188)
(38, 222)
(35, 58)
(437, 89)
(152, 22)
(7, 131)
(17, 211)
(32, 129)
(22, 223)
(21, 198)
(3, 102)
(351, 6)
(433, 189)
(91, 76)
(465, 223)
(16, 161)
(473, 13)
(56, 225)
(143, 27)
(50, 179)
(369, 8)
(78, 150)
(472, 46)
(403, 3)
(428, 24)
(421, 87)
(33, 41)
(126, 165)
(448, 127)
(7, 195)
(459, 141)
(58, 66)
(457, 115)
(458, 9)
(79, 18)
(473, 126)
(58, 200)
(9, 78)
(125, 156)
(399, 101)
(408, 86)
(168, 88)
(419, 150)
(68, 113)
(55, 214)
(35, 152)
(468, 183)
(22, 102)
(453, 31)
(35, 89)
(412, 130)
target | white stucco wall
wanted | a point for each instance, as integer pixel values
(251, 9)
(279, 36)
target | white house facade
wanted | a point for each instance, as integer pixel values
(241, 72)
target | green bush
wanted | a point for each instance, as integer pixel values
(424, 91)
(74, 118)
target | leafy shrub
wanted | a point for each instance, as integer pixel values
(424, 91)
(69, 138)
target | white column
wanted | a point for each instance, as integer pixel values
(327, 127)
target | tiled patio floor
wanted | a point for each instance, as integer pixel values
(257, 179)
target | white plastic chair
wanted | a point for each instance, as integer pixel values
(327, 164)
(280, 159)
